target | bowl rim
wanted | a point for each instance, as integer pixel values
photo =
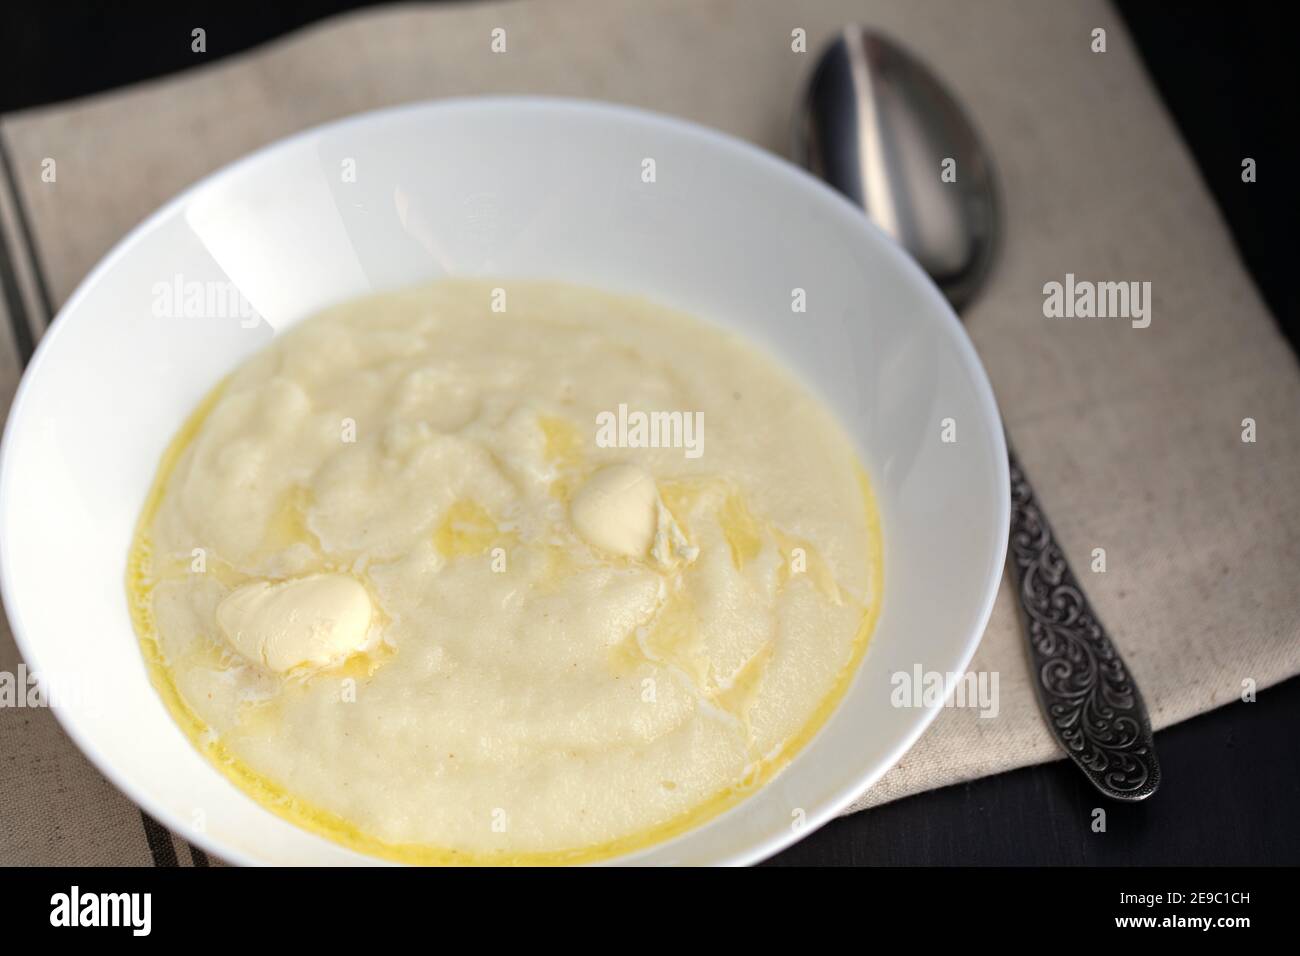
(832, 201)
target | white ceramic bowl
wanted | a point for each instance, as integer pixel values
(513, 187)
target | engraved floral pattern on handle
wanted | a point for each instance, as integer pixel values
(1090, 700)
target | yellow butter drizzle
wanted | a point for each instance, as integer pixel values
(331, 826)
(468, 529)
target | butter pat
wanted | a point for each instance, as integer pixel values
(616, 509)
(620, 512)
(314, 620)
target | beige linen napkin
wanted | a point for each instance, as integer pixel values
(1132, 436)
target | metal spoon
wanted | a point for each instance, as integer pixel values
(876, 124)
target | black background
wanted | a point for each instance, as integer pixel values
(1227, 74)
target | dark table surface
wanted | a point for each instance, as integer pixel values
(1231, 777)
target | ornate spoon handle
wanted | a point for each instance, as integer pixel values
(1088, 696)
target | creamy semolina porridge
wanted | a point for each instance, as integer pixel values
(449, 584)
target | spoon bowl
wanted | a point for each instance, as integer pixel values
(880, 127)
